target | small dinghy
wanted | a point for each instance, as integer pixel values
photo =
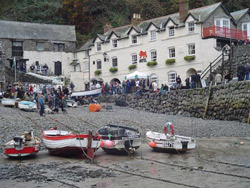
(8, 102)
(120, 139)
(94, 93)
(60, 142)
(22, 146)
(71, 103)
(169, 142)
(27, 106)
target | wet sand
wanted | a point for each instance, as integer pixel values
(218, 161)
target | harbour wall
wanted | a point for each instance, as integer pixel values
(226, 102)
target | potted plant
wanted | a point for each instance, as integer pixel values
(130, 67)
(98, 72)
(170, 61)
(113, 69)
(151, 63)
(189, 57)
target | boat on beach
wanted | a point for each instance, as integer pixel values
(94, 93)
(21, 146)
(119, 139)
(27, 106)
(8, 102)
(60, 142)
(71, 103)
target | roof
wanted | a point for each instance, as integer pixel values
(237, 15)
(86, 46)
(25, 30)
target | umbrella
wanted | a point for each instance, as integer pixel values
(136, 75)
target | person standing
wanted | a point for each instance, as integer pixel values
(41, 105)
(187, 83)
(178, 81)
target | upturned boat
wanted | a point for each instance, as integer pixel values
(60, 142)
(21, 146)
(94, 93)
(27, 106)
(169, 142)
(119, 139)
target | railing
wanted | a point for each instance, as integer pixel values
(224, 32)
(211, 67)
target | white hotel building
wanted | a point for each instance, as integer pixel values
(198, 32)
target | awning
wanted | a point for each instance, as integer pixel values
(136, 75)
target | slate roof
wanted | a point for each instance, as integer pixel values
(237, 15)
(86, 46)
(25, 30)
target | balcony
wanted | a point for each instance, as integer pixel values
(224, 32)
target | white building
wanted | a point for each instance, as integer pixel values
(198, 33)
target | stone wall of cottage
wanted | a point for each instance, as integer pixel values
(227, 102)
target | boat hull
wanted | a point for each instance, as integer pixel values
(168, 143)
(8, 102)
(27, 106)
(94, 93)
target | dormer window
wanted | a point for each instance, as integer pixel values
(191, 27)
(114, 43)
(171, 31)
(134, 39)
(222, 22)
(98, 46)
(152, 35)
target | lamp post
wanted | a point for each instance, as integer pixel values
(105, 56)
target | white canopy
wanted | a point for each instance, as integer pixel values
(136, 75)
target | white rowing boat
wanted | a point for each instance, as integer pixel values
(8, 102)
(27, 106)
(94, 92)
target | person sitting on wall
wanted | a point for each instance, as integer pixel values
(45, 68)
(32, 68)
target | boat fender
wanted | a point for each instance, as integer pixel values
(102, 143)
(170, 126)
(152, 144)
(109, 143)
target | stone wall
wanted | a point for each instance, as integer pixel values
(227, 102)
(2, 66)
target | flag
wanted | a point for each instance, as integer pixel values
(14, 63)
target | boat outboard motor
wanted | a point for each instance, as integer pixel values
(18, 141)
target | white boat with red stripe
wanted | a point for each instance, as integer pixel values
(60, 142)
(21, 146)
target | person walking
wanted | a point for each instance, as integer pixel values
(41, 105)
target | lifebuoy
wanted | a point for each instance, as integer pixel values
(170, 126)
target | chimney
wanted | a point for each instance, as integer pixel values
(136, 19)
(107, 27)
(183, 9)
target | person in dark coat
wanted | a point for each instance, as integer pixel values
(187, 83)
(241, 72)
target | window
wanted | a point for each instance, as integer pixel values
(17, 49)
(171, 31)
(77, 67)
(86, 66)
(114, 62)
(134, 58)
(171, 77)
(191, 49)
(171, 52)
(226, 23)
(98, 46)
(134, 39)
(98, 64)
(246, 27)
(40, 46)
(58, 47)
(85, 54)
(153, 35)
(114, 43)
(190, 27)
(222, 22)
(153, 55)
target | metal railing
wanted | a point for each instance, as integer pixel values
(212, 66)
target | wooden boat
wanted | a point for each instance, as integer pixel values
(21, 146)
(71, 103)
(60, 142)
(94, 93)
(8, 102)
(27, 106)
(170, 143)
(120, 139)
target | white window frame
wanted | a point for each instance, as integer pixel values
(191, 48)
(134, 58)
(114, 43)
(191, 27)
(171, 31)
(153, 55)
(152, 35)
(40, 46)
(98, 46)
(247, 28)
(172, 75)
(113, 61)
(100, 64)
(221, 22)
(171, 52)
(86, 66)
(134, 39)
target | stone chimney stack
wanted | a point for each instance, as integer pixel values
(136, 19)
(107, 27)
(183, 9)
